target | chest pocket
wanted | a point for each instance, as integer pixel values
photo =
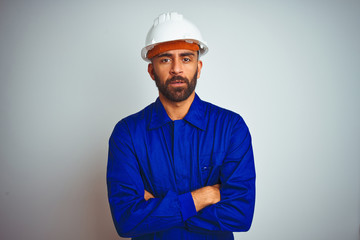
(210, 165)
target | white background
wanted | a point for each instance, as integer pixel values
(70, 70)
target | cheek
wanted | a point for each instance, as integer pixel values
(161, 72)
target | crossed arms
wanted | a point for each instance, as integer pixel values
(202, 197)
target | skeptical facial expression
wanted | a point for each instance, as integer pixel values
(175, 73)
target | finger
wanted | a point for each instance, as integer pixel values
(148, 195)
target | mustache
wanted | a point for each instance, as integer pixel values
(177, 78)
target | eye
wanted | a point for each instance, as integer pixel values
(186, 59)
(165, 60)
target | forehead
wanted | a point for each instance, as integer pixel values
(178, 52)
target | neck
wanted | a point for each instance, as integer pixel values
(177, 110)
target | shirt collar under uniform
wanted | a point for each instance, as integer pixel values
(195, 116)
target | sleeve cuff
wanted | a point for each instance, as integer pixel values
(187, 206)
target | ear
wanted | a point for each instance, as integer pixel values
(151, 71)
(199, 68)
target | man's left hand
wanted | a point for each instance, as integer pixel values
(148, 195)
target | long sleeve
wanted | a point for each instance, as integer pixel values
(132, 215)
(237, 177)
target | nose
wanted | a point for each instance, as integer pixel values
(176, 67)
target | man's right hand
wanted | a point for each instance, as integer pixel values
(206, 196)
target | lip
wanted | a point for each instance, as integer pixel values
(177, 83)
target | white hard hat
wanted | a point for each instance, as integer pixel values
(171, 27)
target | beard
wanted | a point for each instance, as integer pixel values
(176, 94)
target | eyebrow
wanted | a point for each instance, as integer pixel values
(187, 54)
(164, 55)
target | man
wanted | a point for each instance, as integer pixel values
(181, 168)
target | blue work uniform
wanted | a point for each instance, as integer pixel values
(149, 151)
